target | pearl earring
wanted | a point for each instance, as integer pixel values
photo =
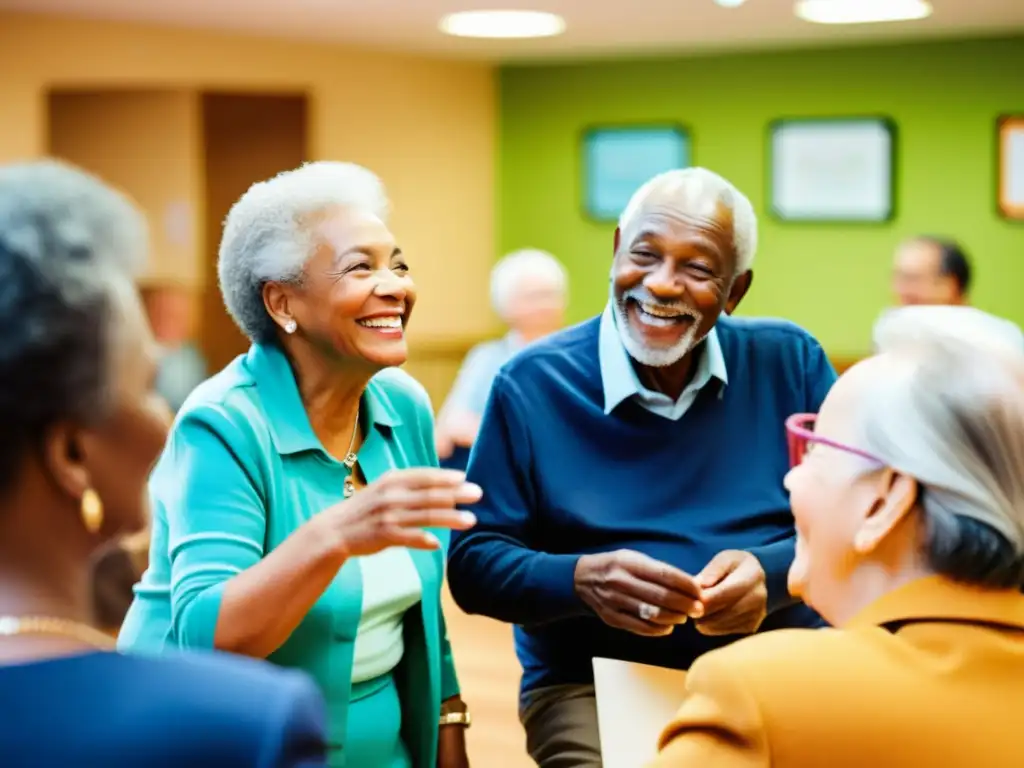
(290, 326)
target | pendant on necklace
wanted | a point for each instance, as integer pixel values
(350, 460)
(348, 488)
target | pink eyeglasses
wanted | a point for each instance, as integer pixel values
(801, 437)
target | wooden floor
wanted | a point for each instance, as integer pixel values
(489, 674)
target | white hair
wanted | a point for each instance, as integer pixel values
(900, 327)
(59, 217)
(70, 247)
(695, 192)
(948, 410)
(509, 273)
(268, 234)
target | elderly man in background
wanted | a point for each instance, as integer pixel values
(930, 270)
(528, 292)
(634, 464)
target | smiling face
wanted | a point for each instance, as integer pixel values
(852, 514)
(672, 280)
(355, 296)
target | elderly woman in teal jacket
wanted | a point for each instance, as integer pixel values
(298, 511)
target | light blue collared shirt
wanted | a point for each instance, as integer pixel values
(621, 382)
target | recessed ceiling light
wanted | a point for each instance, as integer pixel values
(730, 3)
(502, 24)
(861, 11)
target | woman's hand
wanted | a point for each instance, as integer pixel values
(451, 740)
(451, 747)
(394, 510)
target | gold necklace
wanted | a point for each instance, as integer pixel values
(10, 626)
(348, 488)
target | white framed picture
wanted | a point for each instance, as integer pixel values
(617, 159)
(1010, 144)
(832, 169)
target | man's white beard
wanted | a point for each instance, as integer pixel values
(634, 345)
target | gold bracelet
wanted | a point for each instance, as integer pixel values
(456, 718)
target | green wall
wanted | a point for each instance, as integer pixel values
(833, 279)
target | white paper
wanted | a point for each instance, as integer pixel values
(634, 704)
(832, 170)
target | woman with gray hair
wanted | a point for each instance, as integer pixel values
(300, 515)
(81, 430)
(908, 494)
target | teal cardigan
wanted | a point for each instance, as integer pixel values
(241, 472)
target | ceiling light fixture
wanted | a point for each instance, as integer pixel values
(502, 24)
(861, 11)
(730, 3)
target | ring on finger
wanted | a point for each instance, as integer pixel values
(647, 611)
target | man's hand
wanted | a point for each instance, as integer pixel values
(631, 591)
(734, 594)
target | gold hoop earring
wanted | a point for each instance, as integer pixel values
(92, 511)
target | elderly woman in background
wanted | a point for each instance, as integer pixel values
(528, 293)
(299, 512)
(81, 430)
(908, 493)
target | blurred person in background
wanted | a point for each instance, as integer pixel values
(528, 293)
(908, 493)
(170, 307)
(82, 429)
(931, 270)
(633, 467)
(299, 512)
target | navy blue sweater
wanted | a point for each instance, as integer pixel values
(561, 478)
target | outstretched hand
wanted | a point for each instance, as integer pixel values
(394, 511)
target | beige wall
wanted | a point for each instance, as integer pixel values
(427, 127)
(147, 143)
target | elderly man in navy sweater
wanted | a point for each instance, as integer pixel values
(632, 467)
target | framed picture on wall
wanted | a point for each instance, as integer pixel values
(1010, 148)
(618, 159)
(832, 169)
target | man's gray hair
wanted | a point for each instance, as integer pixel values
(269, 234)
(949, 412)
(508, 275)
(69, 245)
(694, 192)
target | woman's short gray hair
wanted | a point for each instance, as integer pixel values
(509, 273)
(695, 192)
(949, 412)
(68, 245)
(268, 234)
